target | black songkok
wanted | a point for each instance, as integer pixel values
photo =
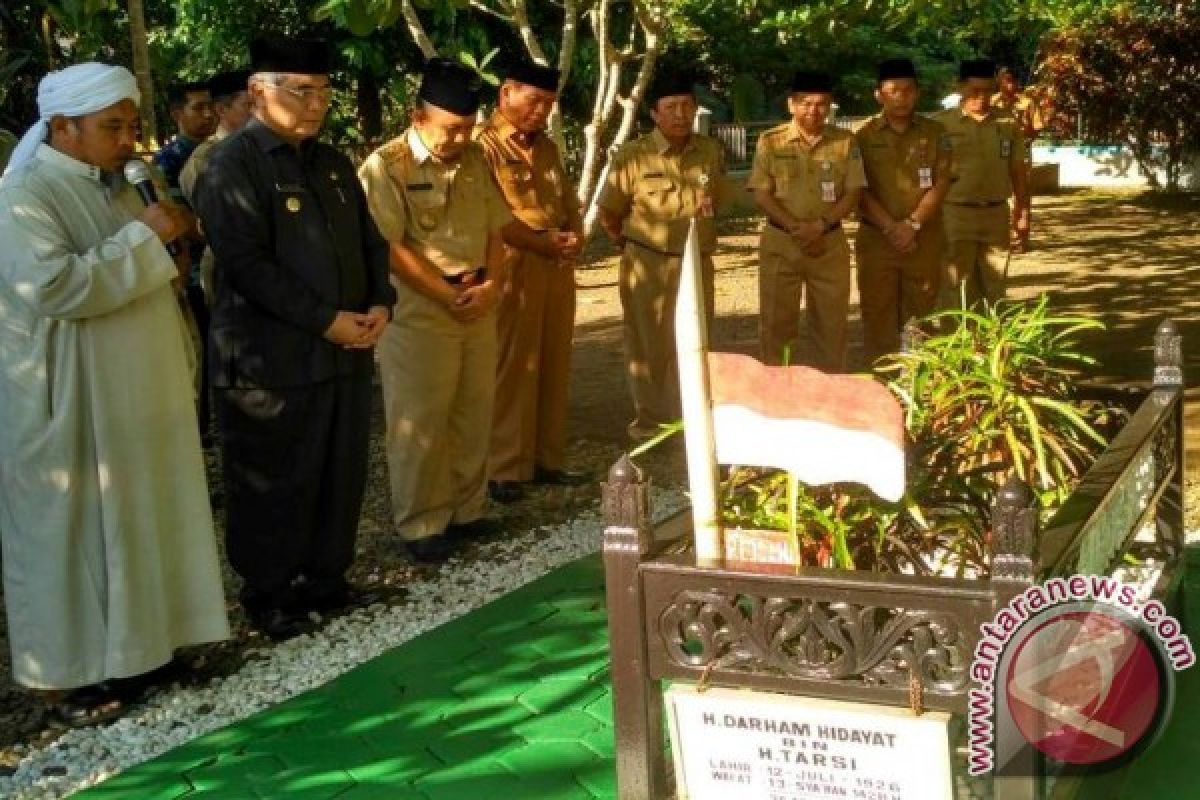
(977, 68)
(451, 86)
(227, 84)
(535, 75)
(812, 82)
(669, 84)
(299, 56)
(896, 69)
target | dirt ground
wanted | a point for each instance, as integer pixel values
(1128, 259)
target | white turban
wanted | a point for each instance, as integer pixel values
(73, 92)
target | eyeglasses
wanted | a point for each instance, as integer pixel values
(323, 96)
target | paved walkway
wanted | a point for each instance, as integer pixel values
(511, 701)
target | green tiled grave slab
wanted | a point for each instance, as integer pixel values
(505, 701)
(512, 700)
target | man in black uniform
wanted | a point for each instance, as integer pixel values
(302, 296)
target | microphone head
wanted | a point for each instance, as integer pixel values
(136, 171)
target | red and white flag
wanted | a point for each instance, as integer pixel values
(821, 428)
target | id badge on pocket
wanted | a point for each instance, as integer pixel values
(1005, 148)
(828, 192)
(925, 177)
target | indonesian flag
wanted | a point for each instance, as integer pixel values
(821, 428)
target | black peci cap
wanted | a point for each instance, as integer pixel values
(812, 82)
(299, 56)
(536, 75)
(977, 68)
(895, 69)
(451, 86)
(670, 83)
(226, 84)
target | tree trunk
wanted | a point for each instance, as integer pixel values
(141, 70)
(370, 108)
(648, 23)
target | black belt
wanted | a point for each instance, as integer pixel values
(989, 204)
(645, 246)
(469, 276)
(837, 226)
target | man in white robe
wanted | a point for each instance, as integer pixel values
(109, 557)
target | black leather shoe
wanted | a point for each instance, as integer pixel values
(475, 529)
(430, 550)
(559, 477)
(279, 624)
(506, 492)
(348, 597)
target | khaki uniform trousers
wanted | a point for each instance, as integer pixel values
(977, 254)
(894, 287)
(439, 378)
(535, 322)
(649, 288)
(786, 277)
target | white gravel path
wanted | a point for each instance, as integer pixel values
(173, 716)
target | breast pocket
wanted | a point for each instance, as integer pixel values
(427, 206)
(654, 192)
(291, 200)
(784, 174)
(516, 181)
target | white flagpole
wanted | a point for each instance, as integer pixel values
(691, 341)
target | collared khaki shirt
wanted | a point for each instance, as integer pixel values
(985, 151)
(808, 179)
(658, 192)
(194, 166)
(1021, 108)
(443, 211)
(902, 167)
(530, 176)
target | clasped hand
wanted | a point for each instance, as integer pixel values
(355, 331)
(810, 236)
(474, 302)
(902, 236)
(568, 245)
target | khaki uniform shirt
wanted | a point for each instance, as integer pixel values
(1022, 109)
(445, 212)
(902, 167)
(532, 179)
(195, 165)
(807, 179)
(659, 192)
(985, 152)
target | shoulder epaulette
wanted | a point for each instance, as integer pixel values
(394, 151)
(778, 130)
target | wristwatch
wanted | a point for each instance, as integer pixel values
(914, 224)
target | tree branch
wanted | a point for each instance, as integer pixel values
(480, 5)
(416, 29)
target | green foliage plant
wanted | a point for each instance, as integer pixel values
(987, 393)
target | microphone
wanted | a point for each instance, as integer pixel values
(137, 174)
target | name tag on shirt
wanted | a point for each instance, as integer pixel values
(925, 177)
(418, 187)
(828, 192)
